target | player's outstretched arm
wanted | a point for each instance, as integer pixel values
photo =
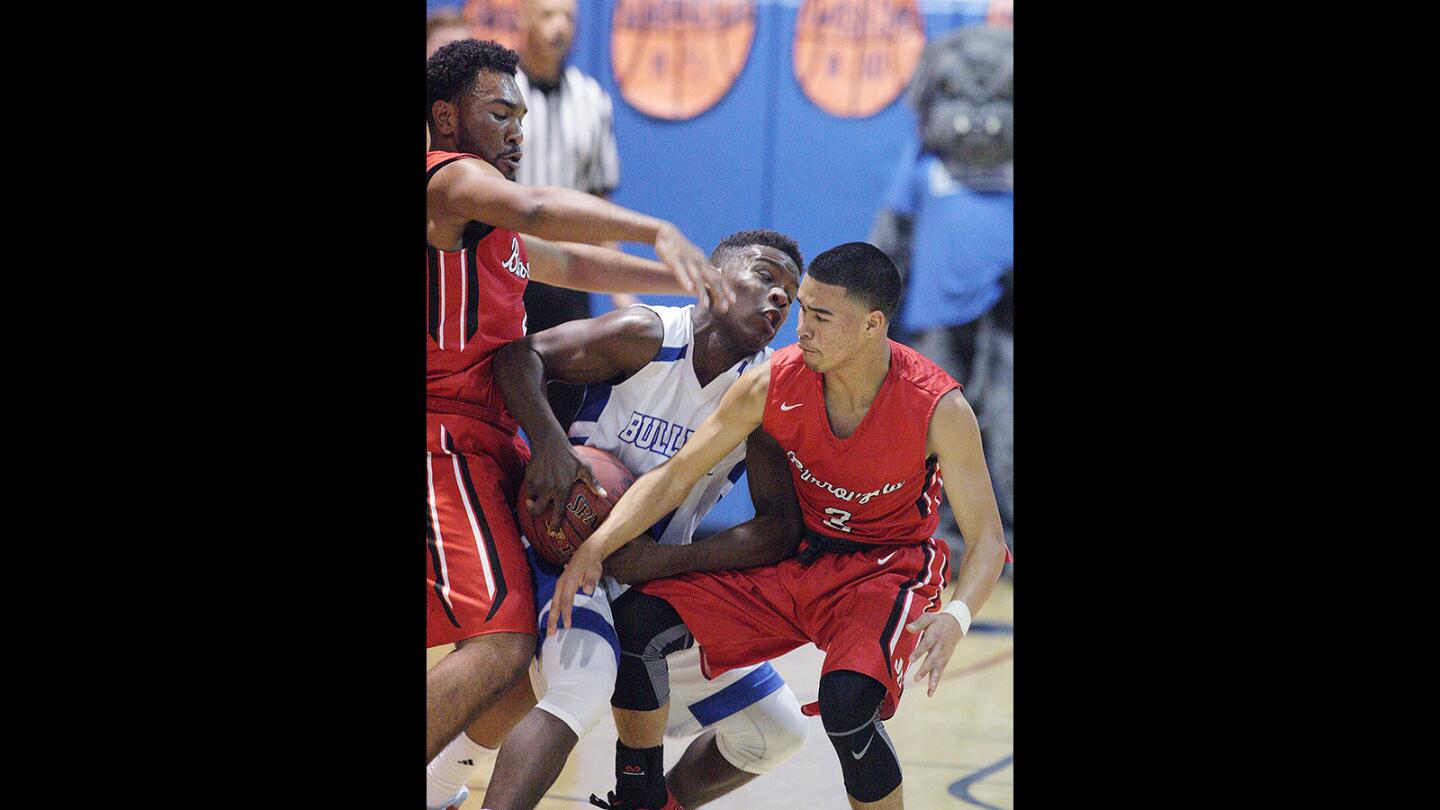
(769, 537)
(474, 190)
(954, 436)
(599, 269)
(616, 344)
(663, 488)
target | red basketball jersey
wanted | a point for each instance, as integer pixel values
(877, 485)
(476, 305)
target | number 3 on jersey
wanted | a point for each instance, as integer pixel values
(837, 519)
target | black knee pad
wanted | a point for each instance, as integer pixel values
(850, 710)
(649, 629)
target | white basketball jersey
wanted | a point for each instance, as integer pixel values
(646, 419)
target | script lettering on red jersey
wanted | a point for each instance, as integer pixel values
(840, 492)
(513, 264)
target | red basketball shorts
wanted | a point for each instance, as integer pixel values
(477, 580)
(854, 607)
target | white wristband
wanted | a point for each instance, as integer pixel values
(961, 612)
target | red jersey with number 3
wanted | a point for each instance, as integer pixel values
(878, 485)
(476, 305)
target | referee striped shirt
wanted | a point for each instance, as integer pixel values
(569, 135)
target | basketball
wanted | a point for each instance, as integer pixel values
(584, 510)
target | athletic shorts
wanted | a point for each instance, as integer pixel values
(853, 606)
(476, 576)
(696, 701)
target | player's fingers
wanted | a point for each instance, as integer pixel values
(935, 662)
(551, 623)
(590, 577)
(934, 683)
(698, 287)
(730, 297)
(921, 622)
(538, 505)
(556, 514)
(587, 475)
(924, 667)
(568, 613)
(926, 642)
(683, 271)
(720, 297)
(564, 595)
(679, 270)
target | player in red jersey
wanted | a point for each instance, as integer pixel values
(479, 592)
(867, 425)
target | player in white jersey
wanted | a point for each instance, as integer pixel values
(653, 374)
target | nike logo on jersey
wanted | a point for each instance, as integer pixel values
(866, 748)
(884, 559)
(785, 407)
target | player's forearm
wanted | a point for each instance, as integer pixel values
(520, 376)
(651, 497)
(980, 569)
(762, 540)
(573, 216)
(597, 269)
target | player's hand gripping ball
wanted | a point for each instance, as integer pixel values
(583, 512)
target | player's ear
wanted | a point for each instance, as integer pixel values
(445, 115)
(875, 323)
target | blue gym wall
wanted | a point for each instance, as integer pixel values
(764, 156)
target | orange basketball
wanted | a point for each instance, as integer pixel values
(853, 57)
(675, 59)
(584, 510)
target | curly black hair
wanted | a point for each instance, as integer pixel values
(864, 271)
(761, 236)
(453, 68)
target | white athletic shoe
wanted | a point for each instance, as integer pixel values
(456, 800)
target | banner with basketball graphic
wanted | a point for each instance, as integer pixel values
(674, 59)
(853, 57)
(498, 20)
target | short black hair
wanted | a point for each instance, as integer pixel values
(864, 271)
(761, 236)
(453, 68)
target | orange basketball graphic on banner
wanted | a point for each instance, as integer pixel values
(495, 19)
(853, 57)
(675, 59)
